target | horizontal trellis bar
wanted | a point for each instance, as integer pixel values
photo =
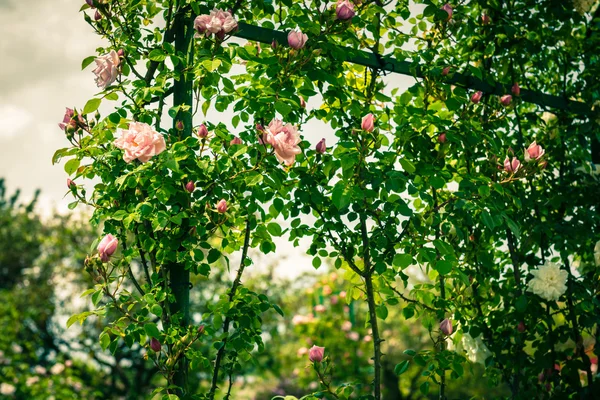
(390, 64)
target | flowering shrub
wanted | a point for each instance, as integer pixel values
(420, 183)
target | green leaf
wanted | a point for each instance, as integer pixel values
(521, 303)
(157, 55)
(282, 108)
(152, 330)
(91, 106)
(443, 267)
(316, 262)
(381, 311)
(96, 297)
(513, 226)
(87, 61)
(340, 196)
(488, 220)
(401, 368)
(274, 229)
(278, 309)
(407, 165)
(71, 166)
(156, 309)
(104, 340)
(410, 352)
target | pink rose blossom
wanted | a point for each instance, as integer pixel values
(344, 10)
(140, 142)
(476, 97)
(368, 123)
(202, 131)
(448, 8)
(107, 69)
(222, 206)
(446, 327)
(512, 166)
(327, 290)
(321, 146)
(316, 353)
(334, 300)
(235, 140)
(218, 22)
(353, 336)
(346, 326)
(284, 139)
(297, 39)
(534, 152)
(506, 100)
(107, 247)
(320, 308)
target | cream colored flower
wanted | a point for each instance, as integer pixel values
(549, 281)
(107, 69)
(7, 389)
(476, 351)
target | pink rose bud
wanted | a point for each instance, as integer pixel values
(200, 329)
(506, 100)
(68, 120)
(485, 19)
(521, 327)
(344, 10)
(368, 123)
(235, 140)
(202, 131)
(90, 3)
(512, 166)
(446, 327)
(155, 345)
(321, 147)
(274, 44)
(448, 8)
(260, 128)
(315, 354)
(302, 102)
(534, 152)
(107, 247)
(70, 183)
(442, 138)
(179, 125)
(121, 52)
(222, 206)
(445, 71)
(516, 90)
(543, 164)
(97, 16)
(190, 186)
(476, 97)
(297, 39)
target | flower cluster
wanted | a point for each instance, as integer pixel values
(71, 120)
(549, 281)
(284, 139)
(218, 22)
(140, 142)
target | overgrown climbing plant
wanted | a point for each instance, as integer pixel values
(494, 199)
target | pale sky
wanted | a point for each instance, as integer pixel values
(42, 44)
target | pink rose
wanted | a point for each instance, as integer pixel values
(316, 353)
(107, 69)
(222, 206)
(534, 152)
(516, 90)
(140, 142)
(446, 327)
(448, 8)
(445, 71)
(218, 22)
(297, 39)
(344, 10)
(235, 140)
(201, 22)
(506, 100)
(107, 247)
(321, 146)
(512, 166)
(285, 144)
(346, 326)
(202, 131)
(320, 308)
(368, 123)
(476, 97)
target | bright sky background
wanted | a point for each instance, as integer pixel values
(42, 44)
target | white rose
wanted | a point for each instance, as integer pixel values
(549, 281)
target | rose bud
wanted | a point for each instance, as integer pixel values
(179, 125)
(448, 8)
(315, 354)
(274, 44)
(70, 183)
(521, 327)
(107, 247)
(302, 102)
(235, 140)
(121, 52)
(534, 152)
(344, 10)
(90, 3)
(543, 164)
(442, 138)
(155, 345)
(476, 97)
(97, 16)
(368, 123)
(200, 330)
(446, 327)
(190, 186)
(260, 128)
(516, 90)
(485, 19)
(445, 71)
(67, 119)
(512, 166)
(297, 39)
(202, 132)
(506, 100)
(321, 147)
(222, 206)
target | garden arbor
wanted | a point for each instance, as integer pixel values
(470, 183)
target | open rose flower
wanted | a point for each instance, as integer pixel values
(297, 39)
(344, 10)
(107, 69)
(512, 166)
(285, 140)
(140, 142)
(549, 281)
(534, 152)
(218, 22)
